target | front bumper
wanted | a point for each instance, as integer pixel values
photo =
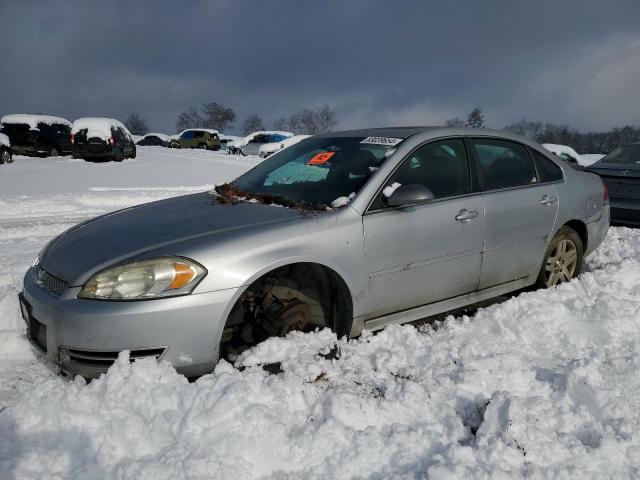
(84, 336)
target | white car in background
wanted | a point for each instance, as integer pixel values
(250, 145)
(564, 152)
(270, 148)
(5, 149)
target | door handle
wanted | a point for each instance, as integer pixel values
(547, 200)
(465, 215)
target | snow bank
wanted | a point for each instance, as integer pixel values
(98, 127)
(4, 140)
(544, 385)
(33, 120)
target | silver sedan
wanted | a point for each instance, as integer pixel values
(351, 230)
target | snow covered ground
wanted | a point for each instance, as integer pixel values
(543, 385)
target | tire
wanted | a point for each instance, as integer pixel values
(54, 152)
(203, 146)
(174, 145)
(5, 156)
(118, 157)
(563, 259)
(133, 155)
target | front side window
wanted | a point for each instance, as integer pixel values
(441, 166)
(198, 134)
(314, 172)
(186, 135)
(504, 164)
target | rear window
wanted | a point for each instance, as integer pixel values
(549, 171)
(629, 154)
(504, 164)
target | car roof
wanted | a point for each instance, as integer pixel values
(406, 132)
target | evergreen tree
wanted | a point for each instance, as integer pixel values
(475, 119)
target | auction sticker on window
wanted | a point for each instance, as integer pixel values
(382, 141)
(321, 158)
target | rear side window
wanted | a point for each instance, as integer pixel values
(504, 164)
(198, 134)
(549, 171)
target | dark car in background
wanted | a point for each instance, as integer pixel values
(96, 138)
(37, 135)
(620, 171)
(154, 140)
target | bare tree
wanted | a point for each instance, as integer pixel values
(455, 123)
(526, 128)
(136, 124)
(309, 121)
(253, 123)
(190, 118)
(217, 116)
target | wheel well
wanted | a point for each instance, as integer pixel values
(581, 230)
(321, 283)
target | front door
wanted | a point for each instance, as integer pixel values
(426, 253)
(520, 211)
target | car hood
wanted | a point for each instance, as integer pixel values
(128, 233)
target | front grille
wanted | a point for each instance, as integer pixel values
(38, 333)
(49, 282)
(103, 359)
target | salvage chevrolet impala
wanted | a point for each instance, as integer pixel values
(351, 230)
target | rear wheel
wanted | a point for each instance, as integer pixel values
(563, 260)
(133, 155)
(54, 152)
(119, 155)
(5, 156)
(203, 146)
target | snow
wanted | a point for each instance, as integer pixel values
(544, 384)
(98, 127)
(587, 159)
(33, 120)
(269, 148)
(558, 149)
(343, 201)
(4, 140)
(389, 189)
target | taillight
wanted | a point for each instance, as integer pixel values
(606, 192)
(73, 138)
(112, 140)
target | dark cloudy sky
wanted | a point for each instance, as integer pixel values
(377, 63)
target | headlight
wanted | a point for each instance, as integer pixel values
(160, 277)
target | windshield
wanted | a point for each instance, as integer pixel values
(629, 154)
(318, 172)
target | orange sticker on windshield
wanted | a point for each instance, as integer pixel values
(321, 158)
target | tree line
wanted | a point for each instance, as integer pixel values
(315, 121)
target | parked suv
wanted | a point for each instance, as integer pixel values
(41, 135)
(250, 145)
(101, 139)
(197, 138)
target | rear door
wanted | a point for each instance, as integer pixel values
(421, 254)
(519, 210)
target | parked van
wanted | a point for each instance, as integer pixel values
(37, 135)
(96, 138)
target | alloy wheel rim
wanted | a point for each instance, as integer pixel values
(561, 263)
(5, 157)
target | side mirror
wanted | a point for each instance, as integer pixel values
(406, 195)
